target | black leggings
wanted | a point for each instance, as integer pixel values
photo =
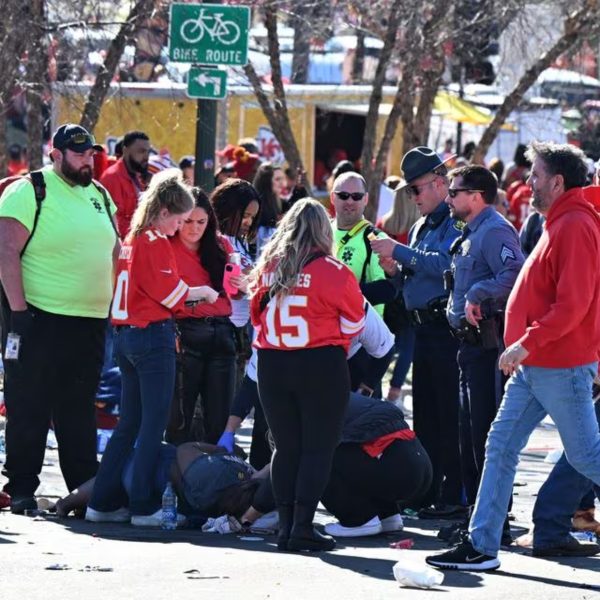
(361, 488)
(304, 394)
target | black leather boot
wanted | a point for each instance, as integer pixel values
(304, 536)
(286, 520)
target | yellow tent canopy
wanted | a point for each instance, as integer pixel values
(446, 106)
(454, 108)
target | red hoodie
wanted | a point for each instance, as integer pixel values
(554, 307)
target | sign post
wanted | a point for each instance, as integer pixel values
(208, 34)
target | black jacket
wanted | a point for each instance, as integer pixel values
(370, 418)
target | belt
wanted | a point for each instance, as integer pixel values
(429, 315)
(210, 320)
(467, 334)
(126, 326)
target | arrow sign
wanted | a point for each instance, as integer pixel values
(204, 80)
(209, 84)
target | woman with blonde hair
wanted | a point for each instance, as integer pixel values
(403, 215)
(148, 294)
(305, 306)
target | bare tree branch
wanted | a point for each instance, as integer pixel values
(580, 24)
(274, 54)
(35, 75)
(376, 96)
(12, 41)
(93, 104)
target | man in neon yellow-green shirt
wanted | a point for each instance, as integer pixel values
(352, 233)
(57, 288)
(351, 230)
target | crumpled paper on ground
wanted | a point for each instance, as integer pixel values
(222, 525)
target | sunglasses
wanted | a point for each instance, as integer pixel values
(356, 196)
(415, 190)
(453, 192)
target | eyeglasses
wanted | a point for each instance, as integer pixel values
(415, 190)
(453, 192)
(356, 196)
(79, 138)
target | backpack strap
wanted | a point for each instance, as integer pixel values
(267, 296)
(104, 193)
(355, 230)
(368, 230)
(39, 189)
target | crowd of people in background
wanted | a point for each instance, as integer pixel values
(176, 313)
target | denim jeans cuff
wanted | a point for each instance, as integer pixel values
(487, 552)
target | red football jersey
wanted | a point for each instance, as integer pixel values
(519, 206)
(195, 275)
(148, 287)
(326, 308)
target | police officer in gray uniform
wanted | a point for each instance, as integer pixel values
(486, 261)
(435, 371)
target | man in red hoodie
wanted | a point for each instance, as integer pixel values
(552, 339)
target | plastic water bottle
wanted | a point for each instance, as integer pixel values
(169, 508)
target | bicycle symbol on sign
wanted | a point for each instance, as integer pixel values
(225, 32)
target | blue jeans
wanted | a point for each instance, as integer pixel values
(405, 347)
(146, 358)
(531, 394)
(559, 497)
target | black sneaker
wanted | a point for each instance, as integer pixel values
(572, 547)
(444, 511)
(19, 504)
(449, 532)
(464, 558)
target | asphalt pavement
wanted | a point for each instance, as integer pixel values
(47, 558)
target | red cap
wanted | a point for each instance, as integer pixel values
(227, 152)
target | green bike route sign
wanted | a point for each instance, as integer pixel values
(209, 34)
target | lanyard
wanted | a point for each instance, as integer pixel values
(356, 229)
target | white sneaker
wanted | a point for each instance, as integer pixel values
(154, 520)
(393, 523)
(269, 520)
(372, 527)
(120, 515)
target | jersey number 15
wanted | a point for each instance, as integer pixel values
(278, 317)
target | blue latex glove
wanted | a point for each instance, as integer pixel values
(227, 440)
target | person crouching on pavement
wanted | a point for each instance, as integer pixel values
(148, 293)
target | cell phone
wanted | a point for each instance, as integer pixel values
(231, 270)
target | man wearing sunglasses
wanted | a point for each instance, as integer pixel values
(552, 336)
(352, 232)
(55, 300)
(486, 261)
(435, 372)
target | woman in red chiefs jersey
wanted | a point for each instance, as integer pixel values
(305, 306)
(148, 293)
(207, 333)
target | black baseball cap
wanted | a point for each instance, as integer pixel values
(74, 137)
